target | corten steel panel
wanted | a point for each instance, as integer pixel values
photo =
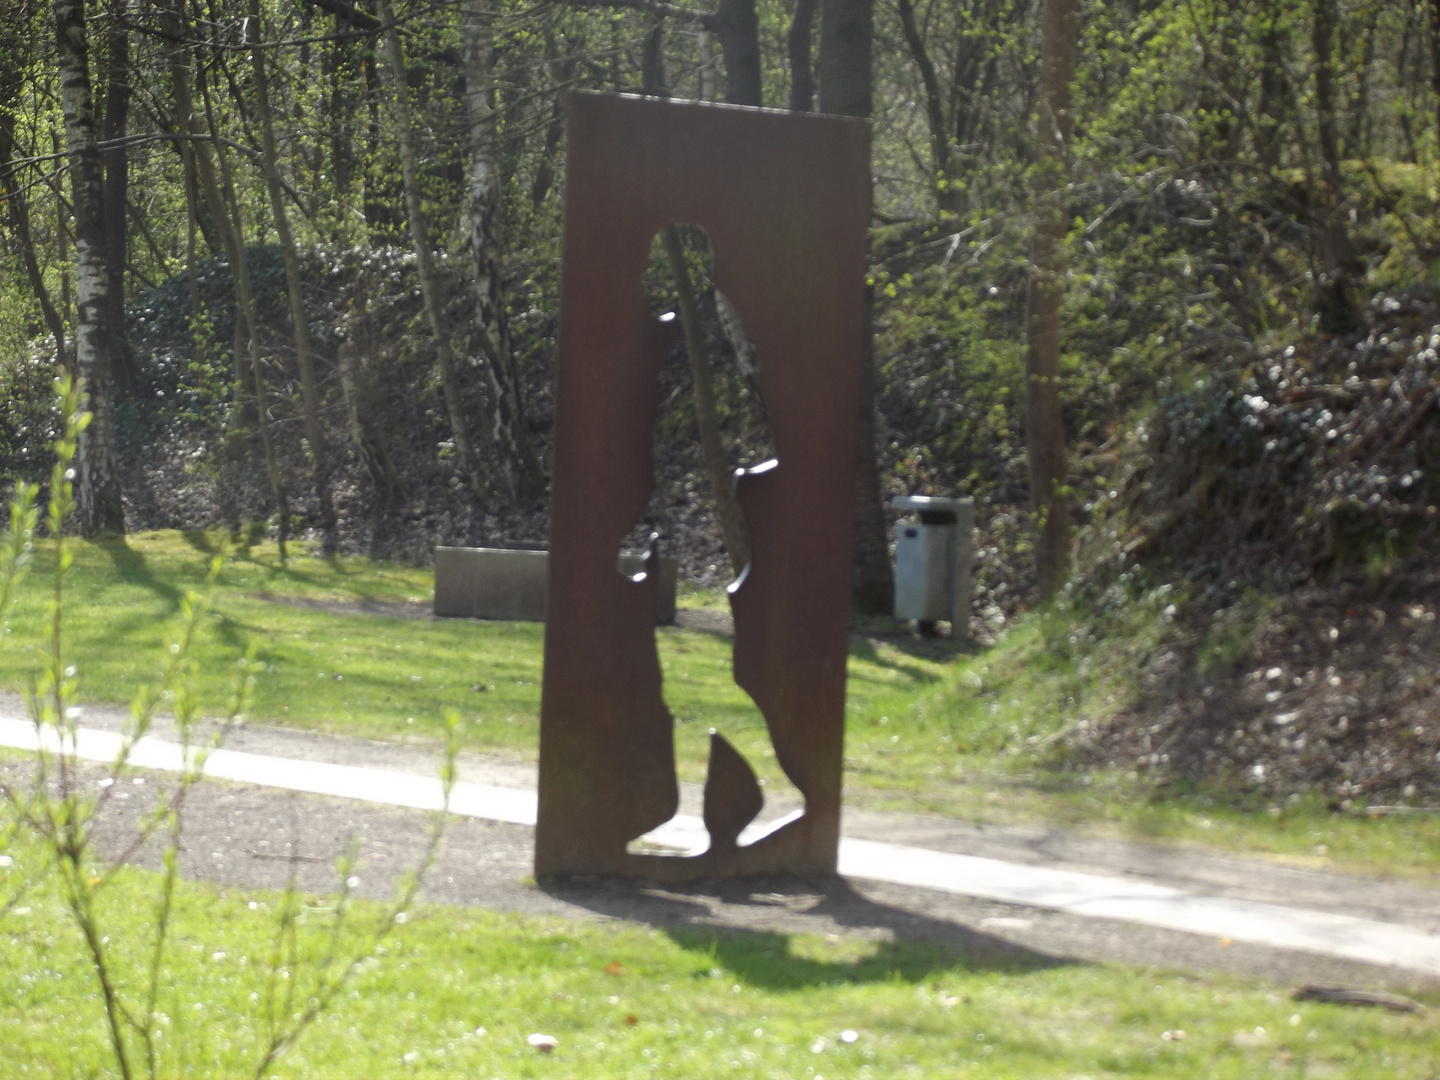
(785, 200)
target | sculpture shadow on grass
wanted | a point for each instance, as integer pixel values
(863, 648)
(133, 568)
(750, 927)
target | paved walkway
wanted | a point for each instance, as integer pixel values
(1325, 923)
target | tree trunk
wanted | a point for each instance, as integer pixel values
(309, 395)
(1435, 60)
(424, 256)
(739, 32)
(374, 205)
(196, 156)
(192, 228)
(797, 46)
(62, 226)
(117, 186)
(712, 444)
(1044, 423)
(1358, 109)
(354, 386)
(342, 131)
(217, 236)
(1334, 291)
(847, 34)
(652, 56)
(562, 69)
(934, 102)
(250, 327)
(524, 477)
(874, 585)
(226, 218)
(1322, 41)
(1273, 89)
(847, 31)
(101, 507)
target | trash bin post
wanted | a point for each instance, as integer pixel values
(961, 575)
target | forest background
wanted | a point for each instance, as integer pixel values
(1157, 273)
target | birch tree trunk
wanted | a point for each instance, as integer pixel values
(705, 47)
(424, 256)
(310, 398)
(524, 477)
(1044, 422)
(101, 508)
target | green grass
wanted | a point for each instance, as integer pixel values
(982, 745)
(457, 992)
(968, 735)
(377, 675)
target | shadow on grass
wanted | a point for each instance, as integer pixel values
(773, 912)
(237, 636)
(905, 635)
(134, 570)
(287, 571)
(863, 648)
(201, 541)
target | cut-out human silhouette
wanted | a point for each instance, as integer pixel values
(784, 199)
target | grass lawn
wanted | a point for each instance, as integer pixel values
(456, 993)
(967, 735)
(383, 676)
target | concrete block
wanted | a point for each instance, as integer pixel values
(511, 585)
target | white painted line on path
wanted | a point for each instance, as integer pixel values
(315, 777)
(1092, 895)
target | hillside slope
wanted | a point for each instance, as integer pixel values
(1276, 530)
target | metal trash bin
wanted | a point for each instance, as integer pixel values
(932, 561)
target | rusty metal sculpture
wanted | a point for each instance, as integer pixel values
(784, 199)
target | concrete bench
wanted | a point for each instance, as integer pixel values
(507, 584)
